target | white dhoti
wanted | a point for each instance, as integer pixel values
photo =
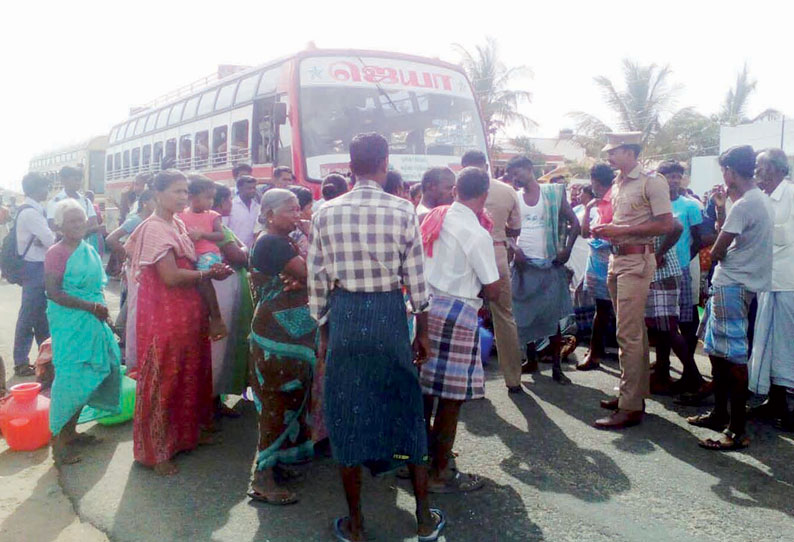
(772, 360)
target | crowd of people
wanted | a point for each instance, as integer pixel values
(354, 322)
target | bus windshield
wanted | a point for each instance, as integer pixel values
(426, 112)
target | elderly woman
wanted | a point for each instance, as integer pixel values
(85, 353)
(282, 348)
(174, 395)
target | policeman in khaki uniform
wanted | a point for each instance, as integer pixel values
(641, 211)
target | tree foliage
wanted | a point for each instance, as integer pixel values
(491, 80)
(734, 107)
(645, 97)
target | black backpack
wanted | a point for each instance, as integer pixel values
(12, 263)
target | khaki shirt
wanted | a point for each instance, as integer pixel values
(638, 197)
(502, 204)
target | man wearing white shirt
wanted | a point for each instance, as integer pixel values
(34, 237)
(772, 361)
(245, 210)
(71, 179)
(460, 264)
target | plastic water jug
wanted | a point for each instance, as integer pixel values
(90, 414)
(127, 401)
(25, 418)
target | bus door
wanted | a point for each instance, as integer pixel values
(263, 128)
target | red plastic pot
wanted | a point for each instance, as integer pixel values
(25, 417)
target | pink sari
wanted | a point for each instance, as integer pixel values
(174, 395)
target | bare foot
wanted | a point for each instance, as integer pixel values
(559, 377)
(218, 329)
(166, 468)
(351, 533)
(63, 456)
(83, 439)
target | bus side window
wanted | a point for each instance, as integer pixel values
(146, 154)
(117, 173)
(136, 159)
(202, 150)
(219, 145)
(126, 171)
(239, 149)
(170, 152)
(109, 165)
(158, 155)
(185, 147)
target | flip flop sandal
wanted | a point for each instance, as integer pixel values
(442, 522)
(459, 483)
(340, 535)
(261, 497)
(738, 442)
(709, 421)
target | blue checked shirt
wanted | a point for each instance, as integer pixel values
(671, 267)
(365, 241)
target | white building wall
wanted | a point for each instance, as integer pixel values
(760, 135)
(705, 174)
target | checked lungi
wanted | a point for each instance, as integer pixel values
(725, 321)
(661, 308)
(686, 306)
(453, 369)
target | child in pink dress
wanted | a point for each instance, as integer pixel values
(205, 230)
(203, 224)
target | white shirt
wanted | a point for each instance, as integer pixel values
(243, 220)
(463, 257)
(782, 200)
(580, 252)
(532, 239)
(88, 207)
(32, 223)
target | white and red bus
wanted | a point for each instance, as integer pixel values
(302, 112)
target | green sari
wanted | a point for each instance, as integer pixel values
(234, 375)
(85, 353)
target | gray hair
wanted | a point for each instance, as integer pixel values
(274, 199)
(778, 159)
(63, 207)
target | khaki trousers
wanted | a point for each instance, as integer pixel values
(629, 279)
(504, 325)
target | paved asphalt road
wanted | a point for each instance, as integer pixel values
(550, 476)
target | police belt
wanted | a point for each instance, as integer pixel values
(625, 250)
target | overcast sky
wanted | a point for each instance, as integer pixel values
(72, 69)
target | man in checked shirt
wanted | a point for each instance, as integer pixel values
(364, 247)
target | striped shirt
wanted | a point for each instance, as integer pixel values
(365, 241)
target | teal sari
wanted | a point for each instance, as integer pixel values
(85, 353)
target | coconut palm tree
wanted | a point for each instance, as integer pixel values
(734, 108)
(646, 96)
(491, 80)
